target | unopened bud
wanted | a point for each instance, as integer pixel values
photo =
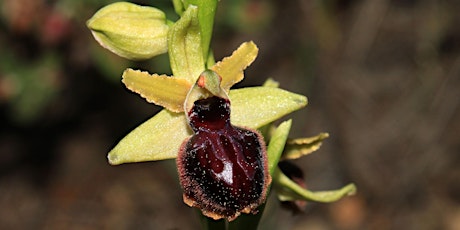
(130, 31)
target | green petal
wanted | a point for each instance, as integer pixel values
(184, 42)
(254, 107)
(130, 31)
(169, 92)
(158, 138)
(288, 190)
(231, 68)
(297, 148)
(277, 143)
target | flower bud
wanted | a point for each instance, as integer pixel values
(130, 31)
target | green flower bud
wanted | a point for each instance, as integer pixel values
(130, 31)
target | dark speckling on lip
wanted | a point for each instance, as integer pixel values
(222, 168)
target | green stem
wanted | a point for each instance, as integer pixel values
(210, 224)
(247, 221)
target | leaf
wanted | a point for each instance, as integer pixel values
(184, 43)
(254, 107)
(288, 190)
(276, 144)
(130, 31)
(169, 92)
(296, 148)
(231, 68)
(158, 138)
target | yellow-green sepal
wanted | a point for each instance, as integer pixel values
(185, 51)
(254, 107)
(169, 92)
(130, 31)
(158, 138)
(206, 12)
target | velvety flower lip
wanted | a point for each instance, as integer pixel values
(222, 168)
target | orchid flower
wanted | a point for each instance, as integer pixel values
(225, 165)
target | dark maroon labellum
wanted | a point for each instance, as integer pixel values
(222, 168)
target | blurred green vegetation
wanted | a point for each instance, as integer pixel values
(43, 42)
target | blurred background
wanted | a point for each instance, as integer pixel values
(382, 77)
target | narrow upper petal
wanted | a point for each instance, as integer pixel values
(296, 148)
(231, 68)
(169, 92)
